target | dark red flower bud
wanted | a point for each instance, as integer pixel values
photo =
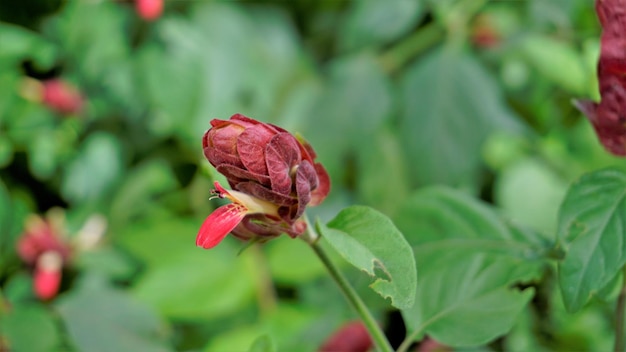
(42, 247)
(484, 34)
(352, 337)
(609, 116)
(428, 344)
(62, 97)
(273, 175)
(149, 10)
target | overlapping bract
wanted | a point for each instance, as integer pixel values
(608, 117)
(268, 165)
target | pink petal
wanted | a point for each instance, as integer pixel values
(47, 283)
(47, 277)
(217, 225)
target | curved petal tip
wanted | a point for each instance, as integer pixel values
(217, 225)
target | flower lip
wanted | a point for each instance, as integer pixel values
(252, 204)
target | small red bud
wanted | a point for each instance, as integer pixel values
(47, 278)
(149, 10)
(484, 34)
(61, 97)
(352, 337)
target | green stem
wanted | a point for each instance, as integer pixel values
(311, 237)
(619, 316)
(410, 47)
(266, 291)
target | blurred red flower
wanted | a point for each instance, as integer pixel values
(608, 117)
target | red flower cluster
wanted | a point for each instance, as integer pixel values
(149, 10)
(61, 97)
(43, 247)
(273, 175)
(609, 116)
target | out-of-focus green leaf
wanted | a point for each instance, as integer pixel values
(369, 240)
(559, 62)
(592, 221)
(182, 280)
(106, 261)
(356, 100)
(173, 82)
(293, 262)
(33, 119)
(6, 150)
(468, 260)
(42, 154)
(262, 344)
(530, 193)
(30, 327)
(465, 298)
(382, 176)
(95, 169)
(450, 106)
(378, 22)
(246, 71)
(5, 217)
(238, 339)
(19, 44)
(137, 193)
(441, 214)
(101, 319)
(19, 288)
(95, 37)
(286, 327)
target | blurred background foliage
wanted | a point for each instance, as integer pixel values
(394, 96)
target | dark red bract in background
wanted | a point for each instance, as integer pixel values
(608, 117)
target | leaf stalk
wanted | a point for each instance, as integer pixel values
(378, 336)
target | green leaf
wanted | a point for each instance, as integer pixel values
(355, 101)
(558, 61)
(102, 319)
(465, 298)
(292, 262)
(19, 44)
(141, 186)
(5, 216)
(469, 261)
(262, 344)
(369, 240)
(200, 284)
(107, 261)
(174, 86)
(30, 328)
(592, 225)
(442, 214)
(378, 22)
(94, 36)
(381, 163)
(99, 155)
(450, 105)
(530, 192)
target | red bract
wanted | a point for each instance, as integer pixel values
(149, 9)
(42, 247)
(484, 34)
(609, 116)
(273, 175)
(352, 337)
(62, 97)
